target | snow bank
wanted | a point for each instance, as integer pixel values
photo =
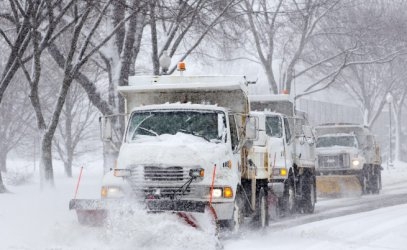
(38, 220)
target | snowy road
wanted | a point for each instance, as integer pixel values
(30, 219)
(327, 209)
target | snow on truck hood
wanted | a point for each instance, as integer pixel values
(172, 150)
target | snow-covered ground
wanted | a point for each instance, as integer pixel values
(35, 219)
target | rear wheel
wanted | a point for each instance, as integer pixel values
(365, 182)
(376, 181)
(309, 196)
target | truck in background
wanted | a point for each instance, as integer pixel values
(282, 158)
(348, 160)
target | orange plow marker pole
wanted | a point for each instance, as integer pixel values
(77, 184)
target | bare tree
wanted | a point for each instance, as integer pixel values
(74, 61)
(18, 19)
(15, 115)
(185, 25)
(77, 118)
(281, 32)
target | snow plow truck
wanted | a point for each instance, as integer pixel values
(348, 160)
(283, 155)
(184, 151)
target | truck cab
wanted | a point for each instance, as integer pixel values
(284, 153)
(345, 149)
(338, 153)
(183, 141)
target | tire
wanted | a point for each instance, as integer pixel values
(309, 199)
(263, 218)
(237, 220)
(289, 204)
(376, 181)
(365, 182)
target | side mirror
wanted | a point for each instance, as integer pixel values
(106, 128)
(302, 140)
(252, 128)
(308, 135)
(307, 131)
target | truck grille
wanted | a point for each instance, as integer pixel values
(164, 174)
(146, 180)
(339, 161)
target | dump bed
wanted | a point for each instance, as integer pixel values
(283, 104)
(229, 92)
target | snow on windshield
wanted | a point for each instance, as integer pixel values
(155, 123)
(344, 141)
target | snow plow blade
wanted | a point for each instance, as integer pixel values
(92, 212)
(338, 186)
(89, 212)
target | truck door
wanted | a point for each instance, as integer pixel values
(304, 147)
(234, 140)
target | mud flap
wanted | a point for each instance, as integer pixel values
(338, 186)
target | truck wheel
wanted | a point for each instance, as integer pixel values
(376, 181)
(238, 216)
(365, 182)
(289, 205)
(263, 209)
(309, 199)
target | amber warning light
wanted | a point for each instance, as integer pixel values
(181, 66)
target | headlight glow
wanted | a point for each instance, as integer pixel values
(217, 192)
(111, 192)
(355, 162)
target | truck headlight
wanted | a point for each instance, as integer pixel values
(225, 192)
(112, 192)
(197, 172)
(355, 162)
(217, 192)
(279, 171)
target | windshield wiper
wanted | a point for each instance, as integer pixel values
(193, 133)
(133, 133)
(148, 130)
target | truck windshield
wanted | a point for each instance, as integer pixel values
(344, 141)
(274, 126)
(202, 124)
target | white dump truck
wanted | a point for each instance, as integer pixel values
(349, 159)
(282, 158)
(183, 150)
